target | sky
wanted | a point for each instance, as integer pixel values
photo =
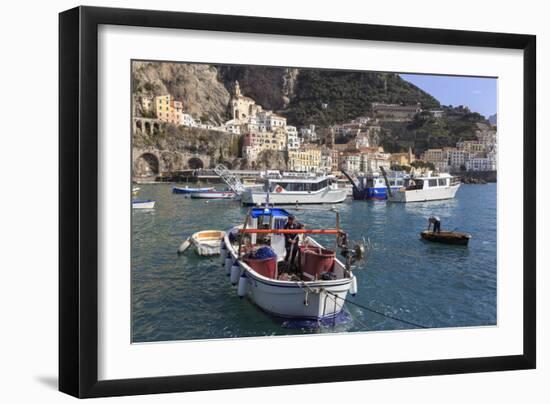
(478, 94)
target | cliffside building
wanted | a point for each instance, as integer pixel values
(242, 107)
(395, 112)
(168, 110)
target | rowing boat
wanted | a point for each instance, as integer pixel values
(143, 204)
(213, 195)
(206, 242)
(446, 237)
(188, 190)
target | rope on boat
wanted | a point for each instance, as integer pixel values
(378, 312)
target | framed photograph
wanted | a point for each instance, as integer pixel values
(252, 202)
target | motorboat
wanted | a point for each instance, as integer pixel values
(143, 204)
(307, 282)
(426, 187)
(205, 242)
(373, 185)
(296, 190)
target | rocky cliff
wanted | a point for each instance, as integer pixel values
(304, 96)
(197, 85)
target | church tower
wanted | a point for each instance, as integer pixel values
(237, 89)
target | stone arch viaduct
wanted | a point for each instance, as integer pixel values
(152, 162)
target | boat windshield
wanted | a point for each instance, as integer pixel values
(411, 184)
(298, 186)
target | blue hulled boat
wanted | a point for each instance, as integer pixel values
(188, 190)
(373, 186)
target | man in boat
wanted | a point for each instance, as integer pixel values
(436, 222)
(291, 240)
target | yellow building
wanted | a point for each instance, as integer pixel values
(167, 109)
(402, 159)
(305, 159)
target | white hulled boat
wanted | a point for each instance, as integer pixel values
(206, 242)
(313, 288)
(294, 190)
(426, 187)
(214, 195)
(143, 204)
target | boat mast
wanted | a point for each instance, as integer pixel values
(383, 170)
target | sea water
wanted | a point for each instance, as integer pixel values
(434, 285)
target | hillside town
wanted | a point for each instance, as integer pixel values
(310, 149)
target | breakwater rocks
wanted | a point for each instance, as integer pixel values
(477, 177)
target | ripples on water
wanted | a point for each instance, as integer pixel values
(187, 297)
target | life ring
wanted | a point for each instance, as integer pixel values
(279, 188)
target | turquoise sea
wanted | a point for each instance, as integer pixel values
(189, 297)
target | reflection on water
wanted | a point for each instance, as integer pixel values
(187, 297)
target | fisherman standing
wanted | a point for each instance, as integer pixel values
(436, 222)
(291, 240)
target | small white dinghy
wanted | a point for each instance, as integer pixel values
(214, 195)
(206, 242)
(148, 204)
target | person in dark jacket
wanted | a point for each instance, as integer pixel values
(436, 222)
(291, 240)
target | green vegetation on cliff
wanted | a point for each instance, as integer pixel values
(426, 131)
(326, 97)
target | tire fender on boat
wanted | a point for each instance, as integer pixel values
(243, 282)
(223, 255)
(235, 272)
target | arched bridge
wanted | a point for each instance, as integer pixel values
(146, 125)
(152, 162)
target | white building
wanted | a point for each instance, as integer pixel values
(481, 164)
(362, 140)
(325, 165)
(350, 162)
(292, 140)
(233, 126)
(251, 152)
(371, 162)
(457, 158)
(270, 120)
(308, 134)
(187, 120)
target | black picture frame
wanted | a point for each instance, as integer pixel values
(78, 200)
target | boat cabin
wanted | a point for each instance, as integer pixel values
(429, 182)
(290, 184)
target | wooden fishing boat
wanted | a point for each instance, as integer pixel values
(188, 190)
(213, 195)
(206, 242)
(446, 237)
(311, 285)
(143, 204)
